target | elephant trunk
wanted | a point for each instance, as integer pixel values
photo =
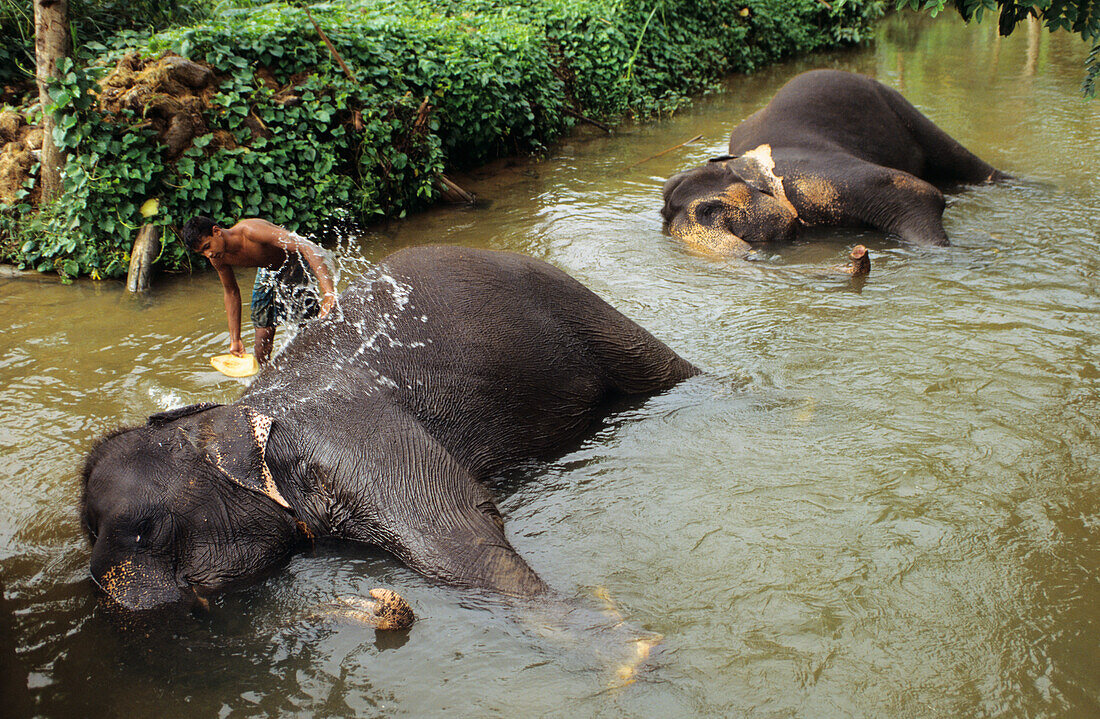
(137, 582)
(708, 239)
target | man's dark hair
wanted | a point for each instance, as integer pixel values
(195, 230)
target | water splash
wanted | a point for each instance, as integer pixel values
(372, 312)
(166, 399)
(346, 264)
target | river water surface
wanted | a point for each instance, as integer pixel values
(882, 500)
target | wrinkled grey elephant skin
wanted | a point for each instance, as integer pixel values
(831, 149)
(378, 424)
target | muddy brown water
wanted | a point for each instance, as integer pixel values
(883, 500)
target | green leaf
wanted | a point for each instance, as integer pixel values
(61, 97)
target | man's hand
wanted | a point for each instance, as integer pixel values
(327, 303)
(236, 348)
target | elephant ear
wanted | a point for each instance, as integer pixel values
(162, 418)
(233, 439)
(757, 168)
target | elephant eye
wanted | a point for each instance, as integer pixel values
(142, 529)
(706, 211)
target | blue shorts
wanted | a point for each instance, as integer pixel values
(287, 294)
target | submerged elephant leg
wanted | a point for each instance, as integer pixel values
(385, 610)
(899, 203)
(597, 636)
(639, 649)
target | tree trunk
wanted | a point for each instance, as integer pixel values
(51, 43)
(145, 252)
(450, 192)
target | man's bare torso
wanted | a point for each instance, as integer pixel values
(254, 243)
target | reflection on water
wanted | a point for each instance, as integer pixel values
(880, 501)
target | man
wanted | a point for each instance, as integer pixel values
(282, 290)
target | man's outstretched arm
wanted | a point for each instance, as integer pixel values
(232, 295)
(315, 255)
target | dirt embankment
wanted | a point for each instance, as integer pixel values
(168, 94)
(20, 145)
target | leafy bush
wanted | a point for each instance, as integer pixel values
(671, 49)
(92, 22)
(433, 82)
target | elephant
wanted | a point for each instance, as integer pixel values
(379, 424)
(832, 148)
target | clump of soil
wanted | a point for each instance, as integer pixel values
(170, 93)
(17, 92)
(20, 144)
(10, 124)
(287, 94)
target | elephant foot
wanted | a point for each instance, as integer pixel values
(627, 673)
(859, 264)
(385, 610)
(639, 647)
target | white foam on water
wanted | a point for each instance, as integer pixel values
(166, 399)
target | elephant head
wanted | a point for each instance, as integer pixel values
(184, 507)
(730, 204)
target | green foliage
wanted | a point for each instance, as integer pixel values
(1092, 69)
(60, 237)
(1081, 17)
(671, 49)
(16, 40)
(435, 82)
(92, 22)
(316, 168)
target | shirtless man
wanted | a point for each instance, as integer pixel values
(282, 290)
